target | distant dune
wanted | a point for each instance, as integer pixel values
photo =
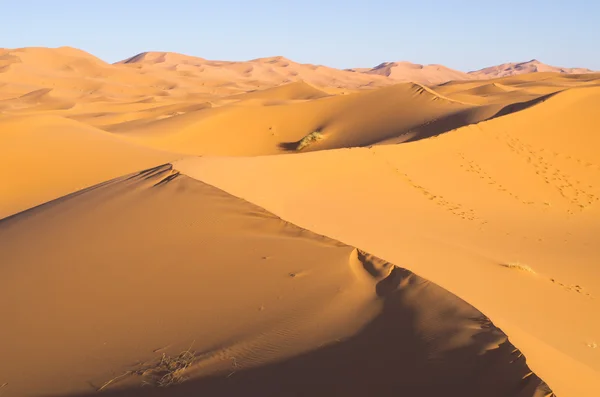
(512, 69)
(168, 59)
(75, 74)
(261, 72)
(177, 226)
(438, 74)
(407, 71)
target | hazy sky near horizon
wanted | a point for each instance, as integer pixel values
(464, 35)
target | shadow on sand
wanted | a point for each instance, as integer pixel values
(410, 349)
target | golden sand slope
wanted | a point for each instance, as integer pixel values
(361, 119)
(101, 287)
(70, 74)
(44, 157)
(151, 101)
(255, 125)
(278, 120)
(505, 214)
(514, 89)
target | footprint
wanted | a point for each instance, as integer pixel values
(572, 288)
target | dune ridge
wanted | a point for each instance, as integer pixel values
(75, 156)
(470, 209)
(260, 72)
(407, 71)
(400, 113)
(301, 303)
(517, 68)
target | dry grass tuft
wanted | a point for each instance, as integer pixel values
(309, 139)
(519, 266)
(168, 371)
(171, 370)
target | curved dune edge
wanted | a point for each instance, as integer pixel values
(400, 113)
(44, 157)
(470, 210)
(143, 266)
(272, 122)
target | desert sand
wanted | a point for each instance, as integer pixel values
(175, 226)
(516, 68)
(412, 72)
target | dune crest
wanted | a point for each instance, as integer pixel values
(407, 71)
(517, 68)
(298, 303)
(513, 189)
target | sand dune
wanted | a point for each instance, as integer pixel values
(424, 74)
(394, 114)
(512, 202)
(74, 156)
(404, 112)
(260, 73)
(512, 69)
(70, 73)
(293, 91)
(288, 302)
(515, 89)
(481, 193)
(75, 74)
(438, 74)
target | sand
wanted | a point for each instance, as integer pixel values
(45, 157)
(171, 225)
(157, 262)
(500, 204)
(412, 72)
(516, 68)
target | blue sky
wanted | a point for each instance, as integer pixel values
(465, 35)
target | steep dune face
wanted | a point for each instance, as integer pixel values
(513, 69)
(282, 119)
(141, 267)
(401, 111)
(507, 220)
(390, 115)
(424, 74)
